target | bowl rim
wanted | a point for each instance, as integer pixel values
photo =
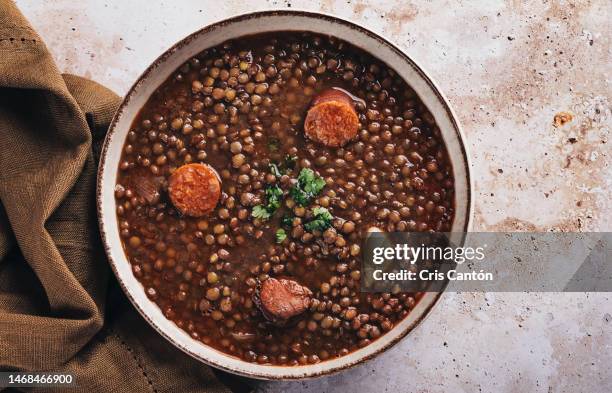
(465, 157)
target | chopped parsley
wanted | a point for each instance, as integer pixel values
(274, 197)
(284, 167)
(287, 221)
(260, 212)
(322, 219)
(274, 169)
(308, 186)
(281, 235)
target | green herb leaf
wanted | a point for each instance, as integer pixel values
(310, 182)
(322, 219)
(309, 185)
(274, 197)
(260, 212)
(306, 176)
(321, 211)
(315, 186)
(287, 221)
(284, 167)
(281, 235)
(299, 196)
(275, 170)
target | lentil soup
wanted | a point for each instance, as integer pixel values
(250, 179)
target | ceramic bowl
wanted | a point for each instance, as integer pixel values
(215, 34)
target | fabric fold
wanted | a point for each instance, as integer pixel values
(60, 308)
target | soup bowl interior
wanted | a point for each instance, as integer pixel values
(215, 34)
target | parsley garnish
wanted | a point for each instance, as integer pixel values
(287, 221)
(275, 170)
(308, 186)
(274, 196)
(282, 168)
(322, 219)
(299, 196)
(281, 235)
(261, 212)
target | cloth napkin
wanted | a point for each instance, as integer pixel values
(60, 308)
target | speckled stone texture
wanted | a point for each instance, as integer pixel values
(508, 68)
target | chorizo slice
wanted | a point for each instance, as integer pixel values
(282, 299)
(194, 189)
(332, 119)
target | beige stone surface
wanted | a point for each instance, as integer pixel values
(508, 68)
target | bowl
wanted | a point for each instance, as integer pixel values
(217, 33)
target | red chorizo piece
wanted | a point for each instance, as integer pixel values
(332, 119)
(194, 189)
(282, 299)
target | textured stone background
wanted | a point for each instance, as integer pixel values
(507, 69)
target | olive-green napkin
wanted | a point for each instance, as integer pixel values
(60, 308)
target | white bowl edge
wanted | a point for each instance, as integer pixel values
(210, 36)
